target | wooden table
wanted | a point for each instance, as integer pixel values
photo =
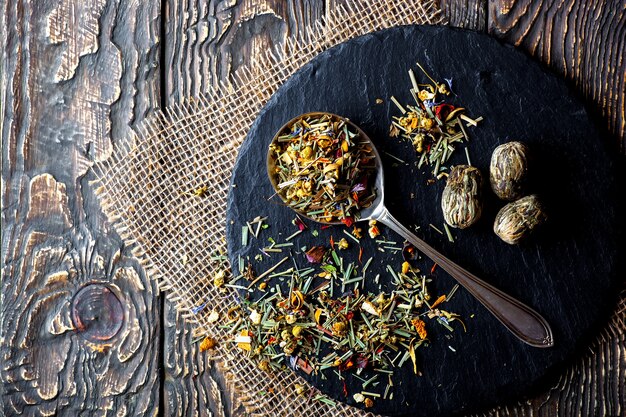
(83, 331)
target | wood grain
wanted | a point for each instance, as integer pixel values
(206, 43)
(79, 327)
(469, 14)
(584, 41)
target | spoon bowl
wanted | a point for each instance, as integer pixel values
(521, 320)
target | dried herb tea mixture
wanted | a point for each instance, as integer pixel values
(312, 312)
(434, 127)
(322, 168)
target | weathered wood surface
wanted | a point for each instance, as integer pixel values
(76, 76)
(80, 322)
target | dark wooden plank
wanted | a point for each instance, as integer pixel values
(193, 384)
(206, 43)
(79, 326)
(584, 41)
(468, 14)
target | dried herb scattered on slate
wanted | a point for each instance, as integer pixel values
(308, 327)
(434, 127)
(322, 169)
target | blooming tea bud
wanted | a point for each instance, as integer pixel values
(508, 170)
(517, 219)
(461, 201)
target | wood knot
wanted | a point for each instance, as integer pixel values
(97, 313)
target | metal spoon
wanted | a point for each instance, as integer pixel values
(521, 320)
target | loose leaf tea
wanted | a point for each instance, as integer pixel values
(434, 128)
(324, 322)
(322, 168)
(508, 170)
(515, 221)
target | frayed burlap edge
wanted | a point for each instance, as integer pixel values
(146, 190)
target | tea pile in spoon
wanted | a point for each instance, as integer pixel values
(322, 168)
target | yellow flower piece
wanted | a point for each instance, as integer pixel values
(297, 331)
(373, 231)
(425, 95)
(219, 279)
(307, 153)
(300, 389)
(264, 365)
(339, 328)
(427, 123)
(420, 328)
(343, 244)
(207, 343)
(406, 267)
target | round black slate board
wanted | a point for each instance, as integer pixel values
(567, 272)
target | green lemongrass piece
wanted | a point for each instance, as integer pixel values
(402, 333)
(448, 233)
(421, 161)
(452, 292)
(435, 228)
(269, 271)
(394, 157)
(367, 264)
(307, 285)
(413, 81)
(272, 250)
(444, 324)
(282, 245)
(244, 235)
(393, 273)
(288, 238)
(404, 358)
(369, 381)
(325, 400)
(397, 103)
(393, 361)
(437, 165)
(351, 236)
(353, 280)
(241, 264)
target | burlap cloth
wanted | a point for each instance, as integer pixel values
(146, 190)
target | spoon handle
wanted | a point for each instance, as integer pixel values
(521, 320)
